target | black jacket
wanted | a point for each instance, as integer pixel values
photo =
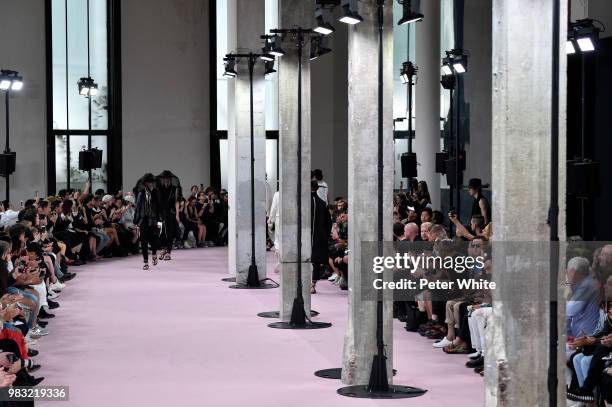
(147, 211)
(321, 226)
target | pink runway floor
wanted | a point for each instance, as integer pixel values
(177, 336)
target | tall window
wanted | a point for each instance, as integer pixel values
(67, 43)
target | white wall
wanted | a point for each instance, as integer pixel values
(165, 68)
(22, 48)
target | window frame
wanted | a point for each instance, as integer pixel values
(113, 132)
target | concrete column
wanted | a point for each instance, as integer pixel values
(427, 101)
(516, 362)
(294, 13)
(250, 18)
(360, 338)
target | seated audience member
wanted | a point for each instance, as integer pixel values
(582, 309)
(425, 227)
(411, 232)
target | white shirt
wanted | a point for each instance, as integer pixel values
(322, 191)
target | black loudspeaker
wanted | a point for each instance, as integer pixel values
(409, 165)
(449, 166)
(86, 160)
(440, 159)
(583, 178)
(7, 163)
(90, 159)
(96, 158)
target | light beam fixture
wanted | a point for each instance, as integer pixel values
(350, 12)
(455, 62)
(269, 67)
(410, 15)
(317, 47)
(323, 26)
(87, 87)
(582, 36)
(276, 46)
(230, 68)
(10, 80)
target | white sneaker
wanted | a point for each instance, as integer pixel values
(443, 343)
(52, 295)
(473, 355)
(57, 286)
(332, 277)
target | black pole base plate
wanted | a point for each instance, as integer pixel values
(229, 279)
(262, 286)
(394, 392)
(276, 314)
(335, 373)
(307, 325)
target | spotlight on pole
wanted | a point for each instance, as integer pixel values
(582, 36)
(269, 66)
(323, 26)
(408, 71)
(317, 47)
(230, 68)
(10, 80)
(350, 12)
(87, 87)
(276, 46)
(410, 15)
(454, 63)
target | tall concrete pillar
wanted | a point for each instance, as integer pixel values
(360, 338)
(427, 101)
(294, 13)
(517, 355)
(250, 18)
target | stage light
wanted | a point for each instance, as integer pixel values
(10, 80)
(459, 68)
(317, 47)
(582, 36)
(454, 63)
(276, 48)
(323, 26)
(269, 66)
(87, 87)
(446, 69)
(586, 44)
(230, 68)
(407, 72)
(409, 15)
(350, 10)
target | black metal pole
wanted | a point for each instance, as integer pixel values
(298, 314)
(378, 375)
(554, 210)
(89, 95)
(410, 85)
(458, 150)
(68, 171)
(452, 154)
(253, 276)
(582, 135)
(7, 148)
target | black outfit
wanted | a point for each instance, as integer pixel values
(146, 217)
(189, 225)
(169, 196)
(476, 206)
(320, 228)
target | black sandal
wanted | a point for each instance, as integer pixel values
(146, 266)
(155, 260)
